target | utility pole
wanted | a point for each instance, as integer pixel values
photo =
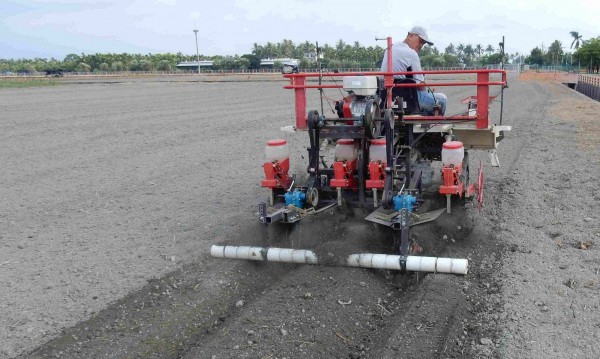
(502, 89)
(197, 53)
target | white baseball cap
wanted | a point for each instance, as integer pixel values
(418, 30)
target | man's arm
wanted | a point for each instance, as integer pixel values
(416, 66)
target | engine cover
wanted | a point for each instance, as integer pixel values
(361, 85)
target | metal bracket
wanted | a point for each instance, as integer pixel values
(494, 158)
(387, 217)
(262, 211)
(276, 216)
(402, 224)
(402, 262)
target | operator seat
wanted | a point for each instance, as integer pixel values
(409, 95)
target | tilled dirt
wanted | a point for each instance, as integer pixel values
(114, 191)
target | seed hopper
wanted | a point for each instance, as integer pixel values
(384, 148)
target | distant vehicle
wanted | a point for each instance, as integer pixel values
(6, 73)
(54, 72)
(289, 69)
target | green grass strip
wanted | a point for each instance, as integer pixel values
(26, 82)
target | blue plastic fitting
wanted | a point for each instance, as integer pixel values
(404, 201)
(296, 198)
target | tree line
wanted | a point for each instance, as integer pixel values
(340, 55)
(586, 53)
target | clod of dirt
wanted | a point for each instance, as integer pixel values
(486, 341)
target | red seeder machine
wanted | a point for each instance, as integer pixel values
(384, 148)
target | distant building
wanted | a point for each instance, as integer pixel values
(264, 63)
(269, 63)
(311, 56)
(193, 65)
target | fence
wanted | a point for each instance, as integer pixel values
(589, 85)
(210, 71)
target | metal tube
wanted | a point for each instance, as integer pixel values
(197, 53)
(387, 79)
(362, 260)
(382, 73)
(299, 86)
(449, 84)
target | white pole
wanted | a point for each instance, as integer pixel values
(520, 58)
(363, 260)
(197, 53)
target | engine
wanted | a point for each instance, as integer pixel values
(361, 90)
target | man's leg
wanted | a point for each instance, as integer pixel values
(427, 100)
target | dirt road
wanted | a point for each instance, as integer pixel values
(114, 190)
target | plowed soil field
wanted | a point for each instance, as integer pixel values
(114, 189)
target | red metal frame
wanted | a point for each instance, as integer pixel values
(376, 175)
(451, 183)
(276, 174)
(344, 174)
(298, 82)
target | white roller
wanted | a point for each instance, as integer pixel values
(440, 265)
(279, 255)
(237, 252)
(371, 260)
(361, 260)
(421, 264)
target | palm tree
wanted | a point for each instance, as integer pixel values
(287, 48)
(469, 51)
(258, 50)
(460, 51)
(339, 48)
(576, 39)
(478, 49)
(270, 50)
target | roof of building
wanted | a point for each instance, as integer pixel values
(263, 62)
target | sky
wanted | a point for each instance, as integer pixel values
(56, 28)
